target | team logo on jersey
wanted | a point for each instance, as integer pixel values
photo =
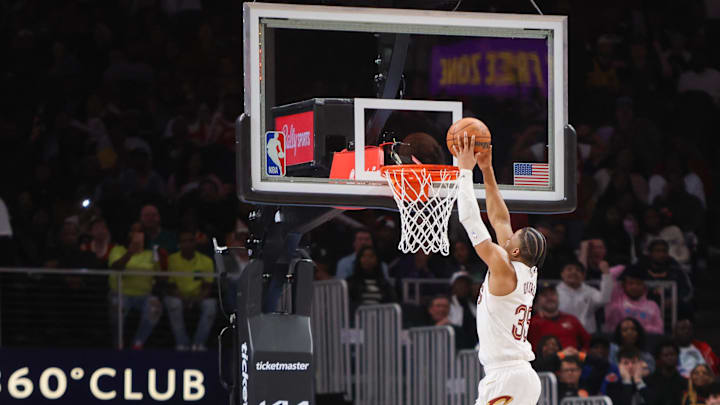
(275, 151)
(503, 400)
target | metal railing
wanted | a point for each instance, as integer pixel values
(548, 393)
(469, 372)
(412, 293)
(49, 304)
(366, 363)
(598, 400)
(378, 355)
(330, 321)
(430, 366)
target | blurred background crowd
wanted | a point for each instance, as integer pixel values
(117, 152)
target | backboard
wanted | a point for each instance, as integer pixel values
(334, 93)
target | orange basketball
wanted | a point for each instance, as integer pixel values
(472, 126)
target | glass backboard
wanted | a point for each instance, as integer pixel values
(334, 93)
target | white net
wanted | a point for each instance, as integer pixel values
(425, 198)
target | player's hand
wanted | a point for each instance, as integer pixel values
(625, 372)
(604, 267)
(484, 158)
(465, 157)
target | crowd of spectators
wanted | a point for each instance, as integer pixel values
(116, 152)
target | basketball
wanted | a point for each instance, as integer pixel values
(472, 126)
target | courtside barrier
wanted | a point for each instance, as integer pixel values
(430, 366)
(378, 355)
(330, 320)
(586, 401)
(468, 371)
(549, 394)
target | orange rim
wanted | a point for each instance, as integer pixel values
(434, 170)
(412, 180)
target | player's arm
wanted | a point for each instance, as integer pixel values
(496, 208)
(503, 276)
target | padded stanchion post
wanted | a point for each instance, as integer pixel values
(275, 352)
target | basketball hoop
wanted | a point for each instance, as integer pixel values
(425, 195)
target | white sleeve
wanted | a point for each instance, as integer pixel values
(469, 211)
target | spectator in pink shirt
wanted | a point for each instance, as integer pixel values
(631, 301)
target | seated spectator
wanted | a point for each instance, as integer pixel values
(548, 354)
(439, 312)
(558, 252)
(414, 265)
(687, 209)
(692, 351)
(597, 370)
(165, 240)
(630, 388)
(101, 243)
(546, 358)
(136, 290)
(666, 385)
(346, 264)
(579, 299)
(569, 378)
(713, 394)
(464, 259)
(629, 334)
(631, 301)
(67, 254)
(655, 227)
(658, 265)
(189, 292)
(462, 304)
(367, 285)
(140, 177)
(699, 384)
(549, 320)
(592, 255)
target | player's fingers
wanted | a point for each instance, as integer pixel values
(472, 141)
(455, 150)
(465, 139)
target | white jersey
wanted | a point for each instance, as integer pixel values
(503, 322)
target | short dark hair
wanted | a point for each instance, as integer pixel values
(656, 242)
(577, 264)
(572, 359)
(663, 344)
(628, 353)
(533, 246)
(437, 296)
(596, 340)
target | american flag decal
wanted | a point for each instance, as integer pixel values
(531, 174)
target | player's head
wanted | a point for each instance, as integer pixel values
(527, 245)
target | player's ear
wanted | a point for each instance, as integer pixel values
(516, 252)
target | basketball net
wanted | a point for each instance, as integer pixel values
(425, 195)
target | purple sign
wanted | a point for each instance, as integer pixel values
(491, 66)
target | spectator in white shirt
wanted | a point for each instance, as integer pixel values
(579, 299)
(462, 305)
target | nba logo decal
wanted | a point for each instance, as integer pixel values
(275, 152)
